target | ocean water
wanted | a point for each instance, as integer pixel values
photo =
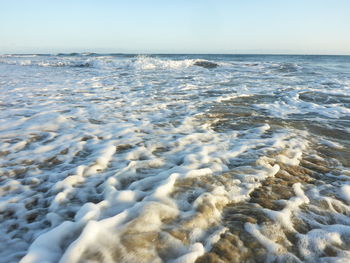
(174, 158)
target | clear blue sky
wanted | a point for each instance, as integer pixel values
(175, 26)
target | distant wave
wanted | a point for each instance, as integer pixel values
(28, 62)
(75, 54)
(140, 62)
(286, 67)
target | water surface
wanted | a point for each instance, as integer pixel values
(174, 158)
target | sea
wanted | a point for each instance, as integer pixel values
(174, 158)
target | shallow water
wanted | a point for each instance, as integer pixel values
(174, 158)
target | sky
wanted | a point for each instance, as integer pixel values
(176, 26)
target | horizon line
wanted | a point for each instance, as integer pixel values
(176, 53)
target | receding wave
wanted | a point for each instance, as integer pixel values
(179, 158)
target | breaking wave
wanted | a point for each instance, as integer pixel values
(139, 62)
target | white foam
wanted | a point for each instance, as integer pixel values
(48, 247)
(345, 193)
(150, 63)
(284, 217)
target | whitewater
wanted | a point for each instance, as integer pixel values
(174, 158)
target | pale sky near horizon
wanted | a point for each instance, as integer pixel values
(177, 26)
